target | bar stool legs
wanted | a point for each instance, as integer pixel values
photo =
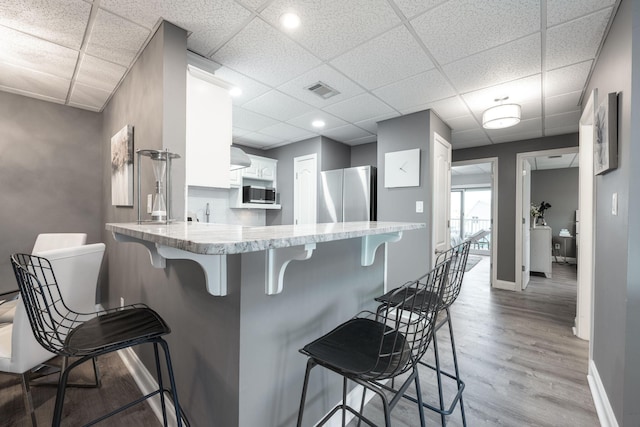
(442, 410)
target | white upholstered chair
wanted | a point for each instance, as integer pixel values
(44, 242)
(76, 269)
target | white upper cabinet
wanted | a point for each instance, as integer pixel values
(261, 169)
(208, 129)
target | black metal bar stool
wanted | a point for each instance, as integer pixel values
(373, 347)
(88, 335)
(458, 258)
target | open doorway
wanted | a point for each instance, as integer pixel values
(474, 211)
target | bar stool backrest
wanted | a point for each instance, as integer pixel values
(409, 320)
(458, 256)
(50, 317)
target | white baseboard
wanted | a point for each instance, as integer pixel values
(503, 284)
(600, 399)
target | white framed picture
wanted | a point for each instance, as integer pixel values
(122, 167)
(402, 168)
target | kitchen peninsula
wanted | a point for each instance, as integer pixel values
(273, 307)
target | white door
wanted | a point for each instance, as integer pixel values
(526, 222)
(441, 191)
(305, 189)
(585, 238)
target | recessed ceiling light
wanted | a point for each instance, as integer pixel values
(290, 20)
(235, 91)
(318, 123)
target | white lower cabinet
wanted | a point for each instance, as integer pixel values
(541, 255)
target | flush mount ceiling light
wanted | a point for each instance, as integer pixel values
(501, 116)
(290, 20)
(318, 123)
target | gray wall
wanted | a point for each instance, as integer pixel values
(335, 155)
(410, 257)
(49, 155)
(617, 288)
(506, 154)
(152, 99)
(558, 187)
(364, 154)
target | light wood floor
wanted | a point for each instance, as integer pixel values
(521, 364)
(518, 357)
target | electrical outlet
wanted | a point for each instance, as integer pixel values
(556, 245)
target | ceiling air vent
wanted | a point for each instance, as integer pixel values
(323, 90)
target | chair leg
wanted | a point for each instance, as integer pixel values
(28, 399)
(62, 386)
(344, 401)
(160, 384)
(419, 395)
(443, 418)
(455, 365)
(310, 365)
(174, 392)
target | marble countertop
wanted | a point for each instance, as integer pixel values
(220, 239)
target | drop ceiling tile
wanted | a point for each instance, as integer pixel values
(562, 103)
(345, 133)
(287, 132)
(521, 136)
(567, 79)
(469, 138)
(248, 120)
(88, 96)
(576, 40)
(371, 125)
(511, 61)
(254, 4)
(29, 83)
(388, 58)
(99, 74)
(463, 123)
(330, 27)
(411, 8)
(63, 23)
(364, 140)
(304, 121)
(26, 51)
(358, 108)
(565, 10)
(554, 162)
(563, 120)
(460, 28)
(327, 75)
(277, 105)
(416, 90)
(445, 108)
(256, 139)
(115, 39)
(522, 91)
(263, 53)
(250, 88)
(529, 127)
(237, 132)
(562, 130)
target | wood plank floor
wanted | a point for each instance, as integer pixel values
(518, 357)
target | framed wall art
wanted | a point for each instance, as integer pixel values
(605, 156)
(122, 167)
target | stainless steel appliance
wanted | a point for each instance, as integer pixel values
(348, 195)
(252, 194)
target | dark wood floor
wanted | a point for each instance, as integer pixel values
(518, 357)
(81, 404)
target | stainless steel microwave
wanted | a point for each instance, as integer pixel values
(251, 194)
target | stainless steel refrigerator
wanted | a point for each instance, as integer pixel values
(348, 195)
